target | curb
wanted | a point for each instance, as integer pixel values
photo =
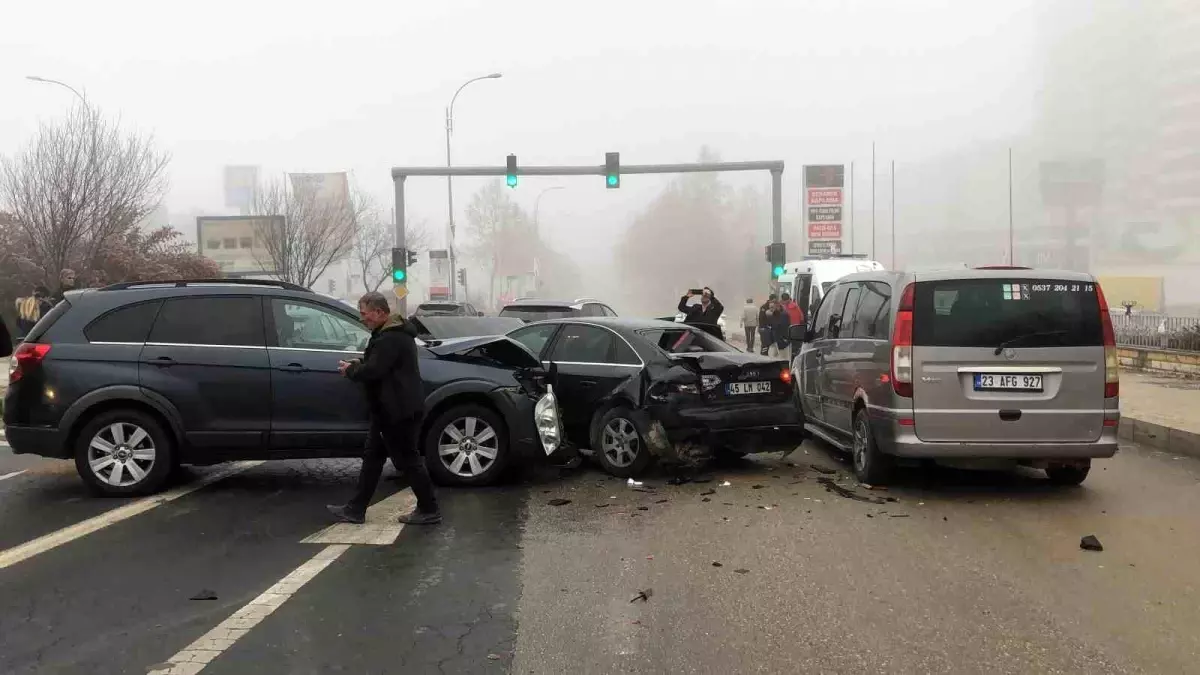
(1160, 437)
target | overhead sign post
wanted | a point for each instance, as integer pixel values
(824, 187)
(439, 275)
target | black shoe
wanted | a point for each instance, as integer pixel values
(418, 518)
(346, 514)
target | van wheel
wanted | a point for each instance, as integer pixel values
(619, 442)
(467, 445)
(1064, 474)
(124, 453)
(870, 465)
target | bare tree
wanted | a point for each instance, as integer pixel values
(79, 184)
(372, 252)
(496, 227)
(316, 230)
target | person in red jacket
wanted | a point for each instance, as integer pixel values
(795, 317)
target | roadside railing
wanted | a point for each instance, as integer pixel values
(1157, 331)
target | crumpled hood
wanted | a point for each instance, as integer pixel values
(398, 322)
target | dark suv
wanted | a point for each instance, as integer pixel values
(133, 379)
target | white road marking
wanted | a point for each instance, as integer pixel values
(81, 529)
(193, 658)
(12, 475)
(381, 528)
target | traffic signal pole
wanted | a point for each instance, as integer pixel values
(399, 240)
(401, 173)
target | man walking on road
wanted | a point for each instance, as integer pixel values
(750, 322)
(390, 373)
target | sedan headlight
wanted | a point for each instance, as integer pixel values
(548, 421)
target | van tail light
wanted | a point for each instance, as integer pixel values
(902, 340)
(1112, 365)
(28, 356)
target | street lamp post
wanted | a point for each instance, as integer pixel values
(450, 181)
(82, 99)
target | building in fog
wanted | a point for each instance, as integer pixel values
(1122, 88)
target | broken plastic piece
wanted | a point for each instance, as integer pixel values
(204, 594)
(633, 483)
(1091, 543)
(708, 492)
(643, 595)
(742, 570)
(717, 564)
(559, 502)
(726, 484)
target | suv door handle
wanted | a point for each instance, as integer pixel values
(292, 368)
(162, 361)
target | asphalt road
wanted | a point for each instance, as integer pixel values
(948, 572)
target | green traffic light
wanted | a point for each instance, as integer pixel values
(398, 276)
(778, 270)
(613, 180)
(511, 179)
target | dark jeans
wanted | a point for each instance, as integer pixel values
(401, 442)
(751, 331)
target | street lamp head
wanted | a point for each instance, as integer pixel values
(494, 76)
(35, 78)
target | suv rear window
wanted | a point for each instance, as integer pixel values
(125, 324)
(1010, 312)
(533, 313)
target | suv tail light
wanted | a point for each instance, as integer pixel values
(1112, 365)
(902, 339)
(27, 356)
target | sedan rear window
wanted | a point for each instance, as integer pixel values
(1006, 312)
(533, 313)
(684, 341)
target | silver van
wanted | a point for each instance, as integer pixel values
(996, 363)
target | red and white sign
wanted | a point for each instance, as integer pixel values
(824, 196)
(824, 230)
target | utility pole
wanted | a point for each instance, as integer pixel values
(852, 191)
(872, 200)
(893, 214)
(1011, 260)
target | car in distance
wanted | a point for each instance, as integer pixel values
(446, 308)
(962, 366)
(636, 389)
(133, 379)
(538, 309)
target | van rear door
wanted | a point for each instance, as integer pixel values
(1008, 359)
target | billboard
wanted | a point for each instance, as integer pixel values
(824, 186)
(238, 244)
(331, 187)
(241, 184)
(439, 274)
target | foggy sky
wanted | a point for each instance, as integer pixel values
(362, 86)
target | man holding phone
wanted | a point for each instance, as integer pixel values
(706, 314)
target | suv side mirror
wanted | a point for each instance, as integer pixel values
(799, 333)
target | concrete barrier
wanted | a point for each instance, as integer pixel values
(1161, 361)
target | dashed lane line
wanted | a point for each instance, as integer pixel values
(193, 658)
(81, 529)
(14, 474)
(381, 529)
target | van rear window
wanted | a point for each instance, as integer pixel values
(1006, 312)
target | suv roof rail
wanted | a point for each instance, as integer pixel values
(182, 283)
(1002, 267)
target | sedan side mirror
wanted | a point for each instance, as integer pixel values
(799, 333)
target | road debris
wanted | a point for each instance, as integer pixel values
(562, 502)
(831, 486)
(679, 480)
(708, 492)
(820, 469)
(634, 483)
(706, 499)
(643, 508)
(717, 564)
(725, 483)
(868, 486)
(643, 595)
(757, 487)
(662, 501)
(1091, 543)
(898, 515)
(603, 506)
(493, 657)
(742, 570)
(204, 594)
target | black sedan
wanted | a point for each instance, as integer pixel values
(636, 389)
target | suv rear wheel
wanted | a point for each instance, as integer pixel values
(123, 453)
(870, 465)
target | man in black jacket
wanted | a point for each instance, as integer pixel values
(390, 373)
(704, 315)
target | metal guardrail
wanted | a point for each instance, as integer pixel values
(1157, 331)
